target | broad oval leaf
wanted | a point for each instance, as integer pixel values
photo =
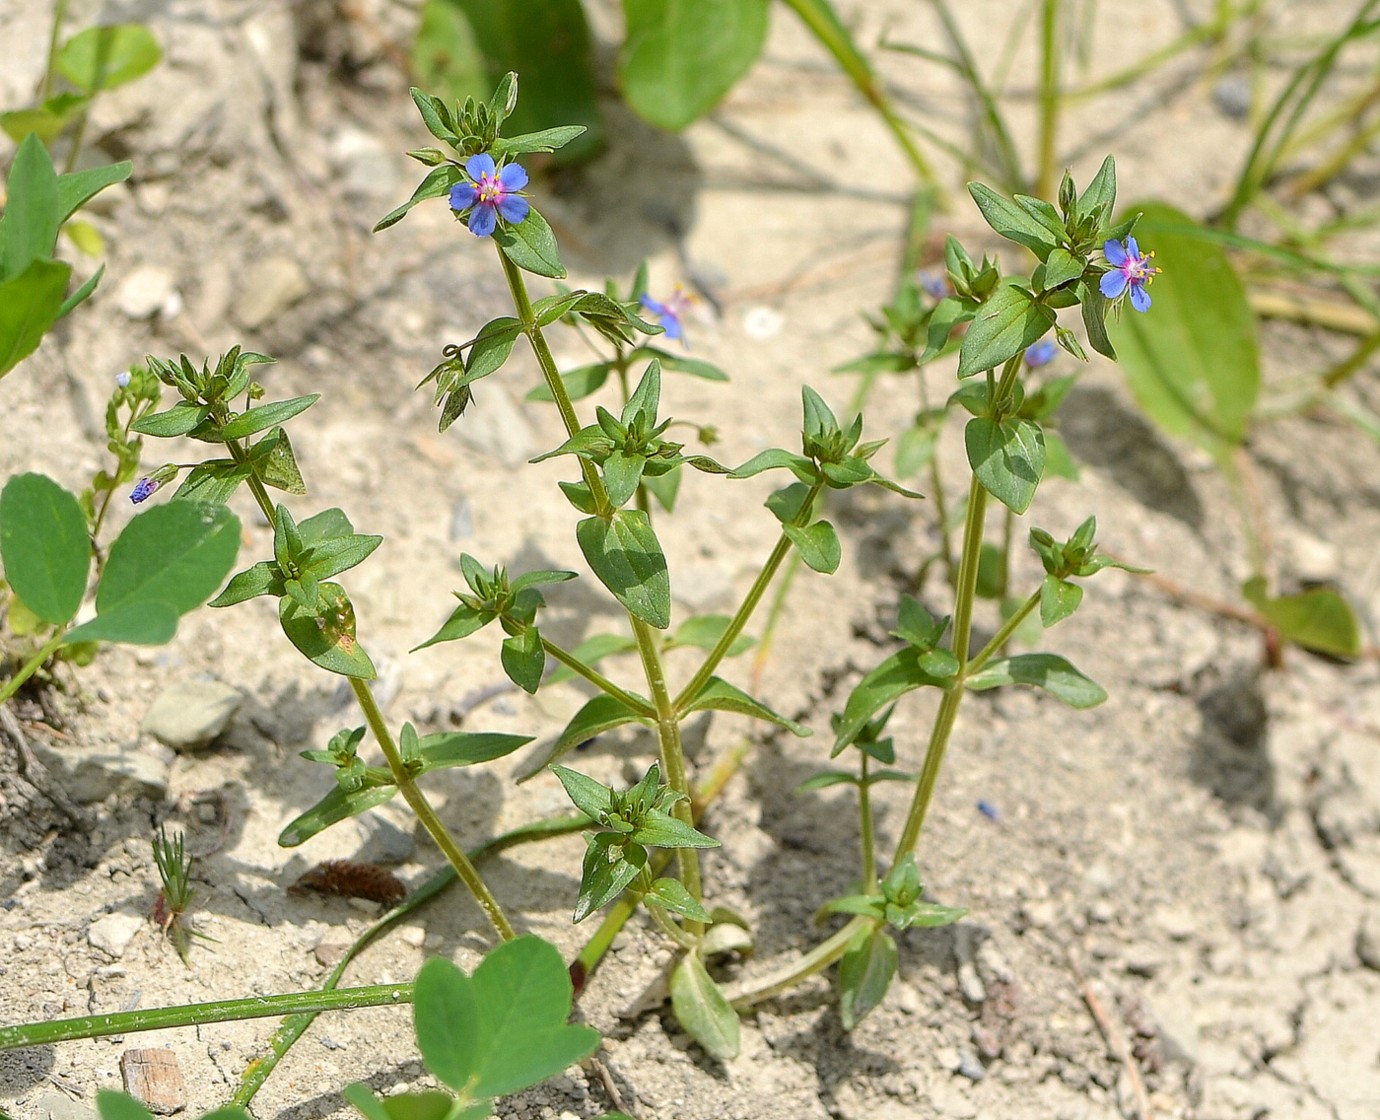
(1193, 360)
(1318, 618)
(44, 546)
(326, 636)
(30, 303)
(680, 57)
(1003, 327)
(177, 553)
(1008, 458)
(531, 246)
(865, 974)
(818, 545)
(109, 56)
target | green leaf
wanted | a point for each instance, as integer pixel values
(679, 363)
(1193, 361)
(1100, 193)
(1014, 223)
(339, 554)
(336, 806)
(661, 830)
(447, 749)
(1048, 671)
(1003, 327)
(266, 416)
(531, 246)
(671, 894)
(429, 1104)
(1061, 267)
(703, 631)
(626, 556)
(213, 481)
(1058, 599)
(113, 1105)
(105, 57)
(680, 57)
(437, 184)
(609, 867)
(772, 458)
(326, 636)
(261, 579)
(167, 561)
(622, 473)
(524, 659)
(76, 188)
(1318, 619)
(463, 622)
(818, 545)
(593, 650)
(465, 46)
(701, 1008)
(44, 546)
(718, 695)
(591, 797)
(1008, 458)
(900, 673)
(579, 382)
(276, 464)
(865, 974)
(491, 348)
(30, 304)
(503, 1029)
(599, 714)
(33, 211)
(175, 421)
(47, 120)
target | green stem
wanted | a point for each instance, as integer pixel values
(672, 754)
(455, 856)
(196, 1014)
(294, 1026)
(819, 17)
(816, 960)
(1049, 97)
(517, 287)
(30, 667)
(59, 16)
(596, 678)
(1002, 636)
(944, 719)
(749, 604)
(866, 829)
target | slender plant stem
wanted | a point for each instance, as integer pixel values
(59, 17)
(517, 287)
(596, 678)
(816, 960)
(196, 1014)
(456, 857)
(953, 697)
(672, 754)
(866, 829)
(30, 667)
(749, 604)
(1002, 636)
(1049, 96)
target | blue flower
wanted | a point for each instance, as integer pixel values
(934, 282)
(1040, 353)
(1129, 270)
(492, 193)
(144, 489)
(670, 313)
(123, 379)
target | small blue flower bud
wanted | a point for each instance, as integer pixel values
(144, 489)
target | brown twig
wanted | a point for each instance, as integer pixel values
(1113, 1035)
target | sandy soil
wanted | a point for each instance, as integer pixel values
(1179, 887)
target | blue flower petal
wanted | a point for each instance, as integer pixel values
(513, 177)
(655, 307)
(513, 209)
(670, 323)
(1140, 298)
(1114, 253)
(463, 196)
(1132, 249)
(483, 221)
(1113, 284)
(476, 167)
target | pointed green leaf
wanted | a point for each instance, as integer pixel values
(900, 673)
(1048, 671)
(718, 695)
(33, 210)
(609, 867)
(437, 183)
(626, 556)
(524, 659)
(266, 416)
(326, 636)
(1013, 222)
(177, 553)
(865, 974)
(1008, 458)
(672, 894)
(818, 545)
(465, 748)
(44, 546)
(701, 1008)
(175, 421)
(591, 797)
(1003, 327)
(1058, 599)
(30, 303)
(336, 806)
(463, 622)
(531, 246)
(661, 830)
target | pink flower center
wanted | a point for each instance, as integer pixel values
(491, 191)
